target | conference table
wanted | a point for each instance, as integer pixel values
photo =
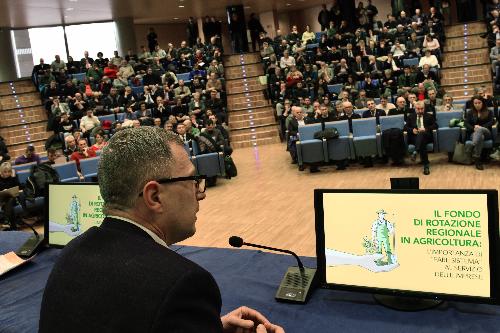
(248, 277)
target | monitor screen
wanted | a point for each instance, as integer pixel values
(71, 209)
(432, 242)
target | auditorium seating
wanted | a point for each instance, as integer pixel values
(88, 167)
(309, 149)
(447, 136)
(365, 136)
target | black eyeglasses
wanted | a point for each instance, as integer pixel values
(199, 181)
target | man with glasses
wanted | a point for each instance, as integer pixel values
(122, 276)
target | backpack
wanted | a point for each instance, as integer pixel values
(230, 167)
(40, 176)
(394, 143)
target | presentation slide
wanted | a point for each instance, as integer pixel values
(73, 209)
(436, 243)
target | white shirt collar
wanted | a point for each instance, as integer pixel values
(149, 232)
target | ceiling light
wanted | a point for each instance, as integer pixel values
(288, 4)
(70, 9)
(247, 7)
(181, 6)
(176, 18)
(73, 0)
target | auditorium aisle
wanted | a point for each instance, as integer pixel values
(271, 202)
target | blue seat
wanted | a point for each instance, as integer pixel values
(121, 116)
(309, 149)
(22, 176)
(110, 117)
(88, 167)
(318, 35)
(447, 136)
(360, 112)
(376, 99)
(410, 62)
(44, 158)
(210, 165)
(312, 46)
(183, 76)
(342, 147)
(396, 121)
(139, 90)
(335, 88)
(25, 166)
(365, 136)
(80, 76)
(67, 172)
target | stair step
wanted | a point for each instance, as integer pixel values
(458, 44)
(21, 130)
(19, 149)
(12, 140)
(256, 142)
(246, 123)
(249, 105)
(24, 100)
(6, 90)
(239, 75)
(251, 98)
(256, 114)
(458, 30)
(264, 132)
(233, 60)
(37, 111)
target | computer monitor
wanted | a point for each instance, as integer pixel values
(71, 209)
(432, 244)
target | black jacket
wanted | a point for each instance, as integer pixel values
(116, 278)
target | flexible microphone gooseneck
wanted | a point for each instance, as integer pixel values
(296, 283)
(236, 241)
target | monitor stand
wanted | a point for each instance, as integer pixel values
(406, 303)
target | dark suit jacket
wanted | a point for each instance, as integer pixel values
(116, 278)
(378, 113)
(429, 124)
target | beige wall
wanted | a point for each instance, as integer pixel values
(267, 21)
(167, 33)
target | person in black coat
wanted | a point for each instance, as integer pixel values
(122, 276)
(348, 114)
(479, 122)
(372, 111)
(192, 31)
(419, 126)
(255, 28)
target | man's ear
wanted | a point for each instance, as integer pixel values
(151, 197)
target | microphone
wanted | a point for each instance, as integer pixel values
(236, 241)
(298, 281)
(32, 244)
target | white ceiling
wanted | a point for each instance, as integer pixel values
(32, 13)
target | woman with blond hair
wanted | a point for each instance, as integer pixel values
(8, 180)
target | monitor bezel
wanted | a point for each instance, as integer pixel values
(46, 210)
(493, 236)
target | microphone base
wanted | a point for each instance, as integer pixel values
(296, 285)
(30, 247)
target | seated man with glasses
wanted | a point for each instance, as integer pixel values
(122, 275)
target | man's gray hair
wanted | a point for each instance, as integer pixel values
(133, 157)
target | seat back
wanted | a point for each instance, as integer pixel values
(67, 171)
(410, 62)
(359, 111)
(364, 127)
(110, 117)
(335, 88)
(139, 90)
(89, 166)
(25, 166)
(443, 118)
(22, 176)
(397, 121)
(306, 132)
(183, 76)
(341, 126)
